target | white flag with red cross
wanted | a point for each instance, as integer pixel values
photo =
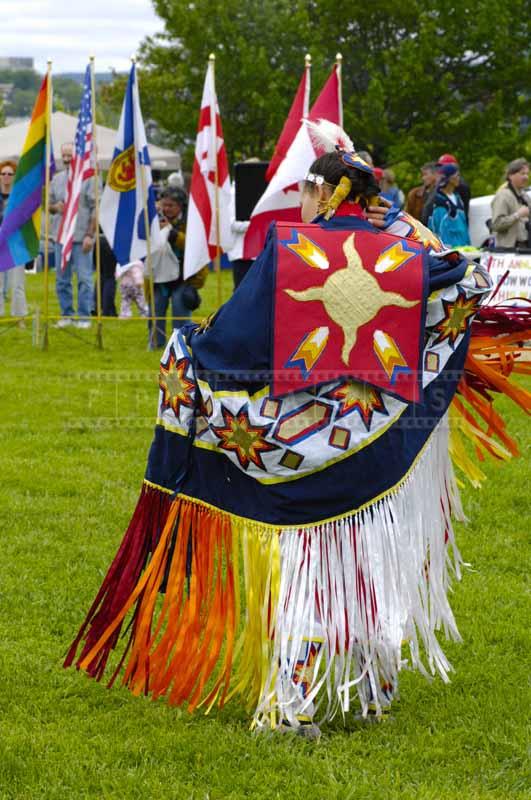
(209, 207)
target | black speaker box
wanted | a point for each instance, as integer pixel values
(250, 184)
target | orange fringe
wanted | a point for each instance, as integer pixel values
(490, 362)
(175, 650)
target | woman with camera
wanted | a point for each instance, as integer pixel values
(510, 207)
(169, 286)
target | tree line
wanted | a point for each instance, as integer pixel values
(420, 77)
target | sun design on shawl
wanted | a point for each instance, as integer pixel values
(176, 387)
(352, 297)
(356, 396)
(456, 317)
(239, 436)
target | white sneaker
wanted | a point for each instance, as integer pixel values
(83, 323)
(64, 322)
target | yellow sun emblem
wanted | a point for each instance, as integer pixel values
(351, 297)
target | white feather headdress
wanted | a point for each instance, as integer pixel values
(326, 136)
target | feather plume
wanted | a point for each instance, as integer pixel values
(325, 135)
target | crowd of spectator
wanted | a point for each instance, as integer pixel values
(441, 202)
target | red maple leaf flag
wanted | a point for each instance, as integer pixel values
(210, 186)
(329, 104)
(281, 200)
(299, 109)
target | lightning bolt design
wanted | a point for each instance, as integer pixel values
(420, 233)
(389, 356)
(309, 351)
(394, 257)
(308, 251)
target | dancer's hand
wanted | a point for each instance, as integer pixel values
(376, 214)
(86, 245)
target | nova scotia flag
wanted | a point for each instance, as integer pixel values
(122, 204)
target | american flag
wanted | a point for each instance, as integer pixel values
(81, 168)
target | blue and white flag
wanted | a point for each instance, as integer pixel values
(122, 215)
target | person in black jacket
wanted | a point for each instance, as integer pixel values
(108, 280)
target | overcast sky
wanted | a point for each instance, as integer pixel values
(69, 31)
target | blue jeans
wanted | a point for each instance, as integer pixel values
(164, 294)
(81, 264)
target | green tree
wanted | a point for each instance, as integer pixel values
(69, 91)
(259, 46)
(21, 102)
(454, 77)
(21, 78)
(420, 77)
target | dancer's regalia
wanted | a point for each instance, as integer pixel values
(293, 543)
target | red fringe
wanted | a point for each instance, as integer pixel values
(182, 646)
(139, 542)
(496, 320)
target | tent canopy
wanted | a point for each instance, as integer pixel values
(64, 130)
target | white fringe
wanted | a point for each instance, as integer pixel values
(363, 586)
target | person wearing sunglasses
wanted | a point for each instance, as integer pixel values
(14, 279)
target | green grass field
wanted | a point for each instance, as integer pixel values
(75, 427)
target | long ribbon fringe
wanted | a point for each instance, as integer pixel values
(227, 625)
(497, 350)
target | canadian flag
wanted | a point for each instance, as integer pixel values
(299, 109)
(203, 233)
(281, 200)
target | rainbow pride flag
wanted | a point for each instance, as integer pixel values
(21, 226)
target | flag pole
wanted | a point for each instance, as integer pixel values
(213, 122)
(99, 330)
(308, 69)
(48, 150)
(149, 261)
(339, 65)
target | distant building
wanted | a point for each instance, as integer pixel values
(15, 62)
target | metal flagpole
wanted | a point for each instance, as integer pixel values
(308, 74)
(48, 149)
(339, 63)
(214, 124)
(148, 237)
(99, 331)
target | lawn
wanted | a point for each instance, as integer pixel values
(76, 424)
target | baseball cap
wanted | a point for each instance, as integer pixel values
(447, 158)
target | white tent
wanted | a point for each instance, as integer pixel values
(64, 130)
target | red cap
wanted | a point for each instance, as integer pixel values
(447, 158)
(378, 173)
